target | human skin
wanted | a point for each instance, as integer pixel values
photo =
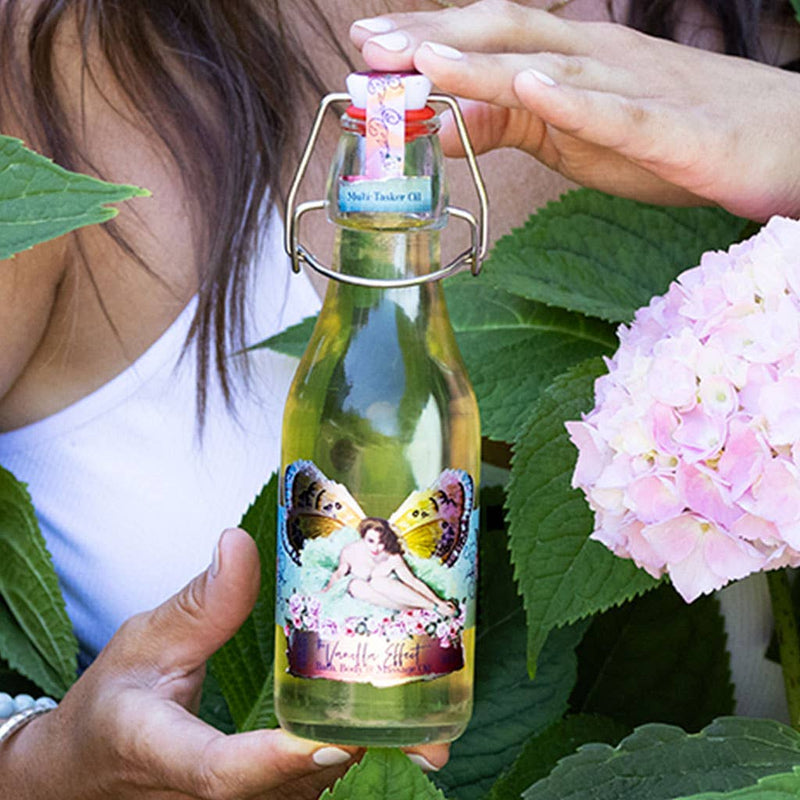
(606, 106)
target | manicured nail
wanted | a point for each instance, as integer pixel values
(444, 50)
(422, 762)
(541, 77)
(216, 559)
(393, 42)
(375, 24)
(330, 757)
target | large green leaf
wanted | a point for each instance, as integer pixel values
(514, 347)
(542, 751)
(243, 665)
(656, 659)
(383, 774)
(36, 636)
(662, 762)
(509, 707)
(776, 787)
(40, 200)
(606, 256)
(562, 574)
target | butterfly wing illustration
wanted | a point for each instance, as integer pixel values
(434, 523)
(315, 506)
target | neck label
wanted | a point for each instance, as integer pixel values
(402, 195)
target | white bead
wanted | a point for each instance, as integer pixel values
(46, 703)
(23, 701)
(7, 706)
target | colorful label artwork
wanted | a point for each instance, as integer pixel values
(371, 600)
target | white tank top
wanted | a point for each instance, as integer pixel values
(129, 501)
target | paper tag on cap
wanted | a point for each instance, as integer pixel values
(386, 127)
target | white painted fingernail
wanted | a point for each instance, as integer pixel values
(541, 77)
(444, 50)
(422, 762)
(216, 559)
(330, 757)
(393, 42)
(375, 24)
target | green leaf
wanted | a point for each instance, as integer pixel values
(243, 665)
(776, 787)
(513, 348)
(36, 636)
(291, 341)
(563, 575)
(544, 750)
(656, 659)
(383, 774)
(509, 707)
(40, 200)
(213, 708)
(796, 7)
(606, 256)
(662, 762)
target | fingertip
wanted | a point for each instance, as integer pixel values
(363, 29)
(531, 86)
(430, 758)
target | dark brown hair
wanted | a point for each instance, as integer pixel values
(251, 72)
(739, 20)
(388, 538)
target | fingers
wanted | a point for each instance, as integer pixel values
(181, 634)
(430, 757)
(496, 26)
(489, 78)
(166, 747)
(643, 131)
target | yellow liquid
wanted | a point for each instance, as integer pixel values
(381, 404)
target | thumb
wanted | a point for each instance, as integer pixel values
(184, 631)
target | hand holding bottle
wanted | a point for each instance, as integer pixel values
(125, 729)
(605, 105)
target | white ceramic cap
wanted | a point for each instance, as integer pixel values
(418, 87)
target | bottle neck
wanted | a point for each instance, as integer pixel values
(386, 254)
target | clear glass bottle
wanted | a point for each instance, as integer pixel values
(375, 629)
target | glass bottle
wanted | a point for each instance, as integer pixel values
(377, 551)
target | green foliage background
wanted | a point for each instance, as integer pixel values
(592, 679)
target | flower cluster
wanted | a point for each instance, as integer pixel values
(304, 614)
(691, 457)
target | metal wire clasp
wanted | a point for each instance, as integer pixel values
(479, 229)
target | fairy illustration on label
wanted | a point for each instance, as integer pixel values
(367, 599)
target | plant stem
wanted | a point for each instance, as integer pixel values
(788, 641)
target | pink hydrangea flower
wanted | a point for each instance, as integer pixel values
(690, 458)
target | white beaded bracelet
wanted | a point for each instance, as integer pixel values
(20, 710)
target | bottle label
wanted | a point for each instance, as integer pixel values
(406, 195)
(371, 600)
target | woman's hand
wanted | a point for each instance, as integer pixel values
(125, 730)
(607, 106)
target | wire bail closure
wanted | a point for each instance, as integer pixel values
(472, 257)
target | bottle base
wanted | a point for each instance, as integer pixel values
(388, 735)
